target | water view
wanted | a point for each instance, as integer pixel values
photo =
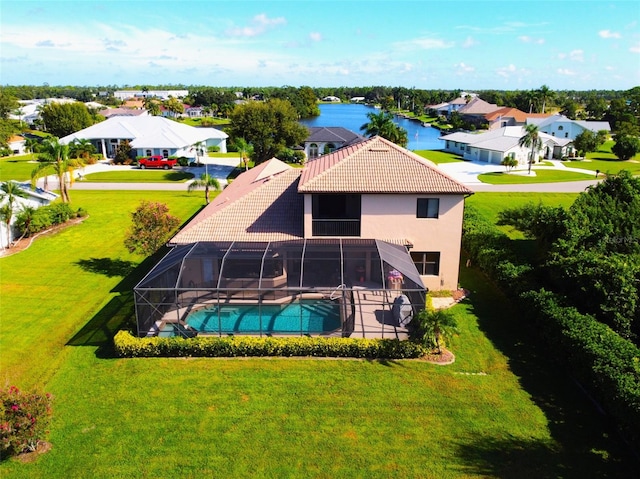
(353, 116)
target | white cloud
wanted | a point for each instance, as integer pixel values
(566, 71)
(577, 55)
(259, 25)
(469, 42)
(528, 39)
(462, 68)
(315, 36)
(423, 44)
(608, 34)
(635, 48)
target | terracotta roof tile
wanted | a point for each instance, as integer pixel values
(260, 205)
(376, 165)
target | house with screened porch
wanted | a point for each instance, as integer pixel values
(350, 244)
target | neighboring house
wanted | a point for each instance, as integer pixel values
(446, 108)
(370, 190)
(134, 104)
(357, 99)
(331, 98)
(149, 135)
(35, 197)
(476, 110)
(508, 116)
(110, 112)
(16, 144)
(560, 126)
(496, 145)
(323, 140)
(163, 94)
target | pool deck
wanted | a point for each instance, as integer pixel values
(373, 316)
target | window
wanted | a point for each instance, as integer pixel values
(566, 135)
(428, 207)
(147, 152)
(560, 128)
(427, 263)
(165, 153)
(313, 150)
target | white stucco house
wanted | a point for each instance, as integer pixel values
(34, 197)
(149, 135)
(560, 126)
(495, 145)
(326, 139)
(17, 145)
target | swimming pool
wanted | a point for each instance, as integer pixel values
(302, 317)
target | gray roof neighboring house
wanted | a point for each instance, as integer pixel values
(478, 107)
(332, 134)
(594, 126)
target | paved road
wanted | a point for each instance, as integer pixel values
(466, 172)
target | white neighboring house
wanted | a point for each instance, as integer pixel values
(35, 197)
(149, 135)
(163, 94)
(16, 145)
(495, 145)
(560, 126)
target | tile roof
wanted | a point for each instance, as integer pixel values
(518, 115)
(477, 106)
(502, 139)
(261, 204)
(335, 134)
(374, 166)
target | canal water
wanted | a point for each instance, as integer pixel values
(352, 116)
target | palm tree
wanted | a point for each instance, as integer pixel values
(81, 148)
(531, 139)
(434, 326)
(207, 182)
(381, 124)
(30, 145)
(151, 105)
(544, 93)
(9, 190)
(24, 219)
(245, 149)
(56, 160)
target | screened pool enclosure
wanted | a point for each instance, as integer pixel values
(328, 287)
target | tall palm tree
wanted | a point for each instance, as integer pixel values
(56, 160)
(544, 93)
(207, 182)
(10, 190)
(245, 149)
(30, 145)
(531, 139)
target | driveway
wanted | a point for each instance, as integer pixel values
(467, 173)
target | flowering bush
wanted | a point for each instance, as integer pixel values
(24, 419)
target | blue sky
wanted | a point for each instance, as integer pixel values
(508, 44)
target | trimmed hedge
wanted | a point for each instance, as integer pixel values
(595, 354)
(129, 346)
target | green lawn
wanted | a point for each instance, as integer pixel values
(541, 176)
(606, 162)
(439, 156)
(17, 167)
(138, 176)
(503, 409)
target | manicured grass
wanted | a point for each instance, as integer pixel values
(139, 176)
(17, 167)
(606, 162)
(439, 156)
(503, 409)
(490, 204)
(541, 176)
(200, 121)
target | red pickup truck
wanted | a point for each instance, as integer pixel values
(157, 161)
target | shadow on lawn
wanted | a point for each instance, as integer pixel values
(586, 444)
(119, 312)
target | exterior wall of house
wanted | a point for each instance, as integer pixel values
(456, 147)
(563, 129)
(394, 216)
(321, 146)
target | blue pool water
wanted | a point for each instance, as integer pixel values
(312, 317)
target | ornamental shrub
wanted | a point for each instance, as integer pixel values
(128, 346)
(24, 420)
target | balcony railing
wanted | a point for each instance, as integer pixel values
(337, 227)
